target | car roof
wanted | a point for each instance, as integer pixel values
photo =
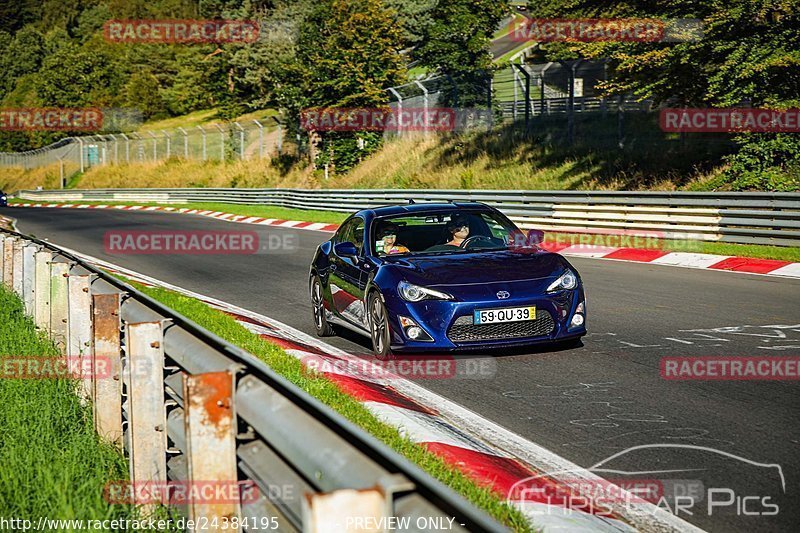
(422, 207)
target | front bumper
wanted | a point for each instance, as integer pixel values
(450, 323)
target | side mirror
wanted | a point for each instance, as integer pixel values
(535, 237)
(345, 249)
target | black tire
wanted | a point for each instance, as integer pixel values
(379, 327)
(321, 325)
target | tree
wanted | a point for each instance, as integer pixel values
(142, 93)
(457, 43)
(747, 56)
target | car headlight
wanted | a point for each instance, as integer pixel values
(567, 280)
(415, 293)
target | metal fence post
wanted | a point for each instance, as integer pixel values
(399, 108)
(80, 154)
(107, 391)
(204, 141)
(260, 139)
(241, 140)
(59, 304)
(221, 142)
(41, 290)
(144, 376)
(79, 344)
(17, 274)
(127, 148)
(210, 425)
(424, 103)
(185, 142)
(155, 146)
(166, 136)
(527, 76)
(28, 276)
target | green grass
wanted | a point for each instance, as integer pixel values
(52, 464)
(327, 392)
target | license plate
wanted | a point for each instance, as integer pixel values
(509, 314)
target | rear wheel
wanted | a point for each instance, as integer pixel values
(321, 325)
(379, 327)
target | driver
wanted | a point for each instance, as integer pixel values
(458, 229)
(389, 241)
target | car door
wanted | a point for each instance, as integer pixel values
(347, 277)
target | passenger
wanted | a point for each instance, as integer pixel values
(389, 245)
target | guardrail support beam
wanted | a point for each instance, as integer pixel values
(210, 424)
(8, 262)
(106, 355)
(41, 290)
(28, 276)
(79, 347)
(59, 304)
(147, 428)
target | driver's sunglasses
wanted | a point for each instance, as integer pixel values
(462, 227)
(389, 235)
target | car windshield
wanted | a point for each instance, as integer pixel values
(446, 232)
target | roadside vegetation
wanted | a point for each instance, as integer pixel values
(331, 395)
(52, 463)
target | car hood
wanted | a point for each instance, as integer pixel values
(478, 268)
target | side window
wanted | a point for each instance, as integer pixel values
(352, 231)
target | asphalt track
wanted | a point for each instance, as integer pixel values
(586, 403)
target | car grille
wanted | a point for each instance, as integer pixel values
(464, 330)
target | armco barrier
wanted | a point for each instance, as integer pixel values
(747, 218)
(193, 410)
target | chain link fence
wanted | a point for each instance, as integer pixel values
(245, 140)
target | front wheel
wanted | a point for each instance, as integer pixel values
(321, 325)
(379, 327)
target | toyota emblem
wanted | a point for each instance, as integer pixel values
(502, 295)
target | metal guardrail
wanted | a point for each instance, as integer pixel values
(737, 217)
(189, 407)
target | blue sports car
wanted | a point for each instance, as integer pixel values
(443, 277)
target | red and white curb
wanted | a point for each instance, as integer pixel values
(488, 453)
(769, 267)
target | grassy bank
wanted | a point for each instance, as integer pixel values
(52, 464)
(327, 392)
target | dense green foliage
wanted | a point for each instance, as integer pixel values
(748, 56)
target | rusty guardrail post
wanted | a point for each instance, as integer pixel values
(147, 417)
(108, 390)
(79, 346)
(210, 423)
(59, 304)
(41, 290)
(29, 276)
(8, 262)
